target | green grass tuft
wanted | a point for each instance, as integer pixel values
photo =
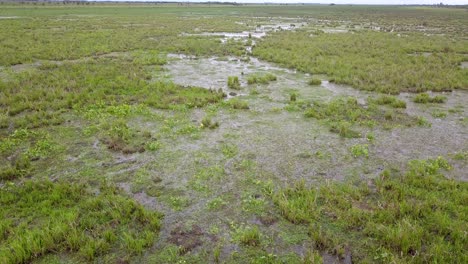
(424, 98)
(314, 81)
(40, 218)
(233, 82)
(261, 79)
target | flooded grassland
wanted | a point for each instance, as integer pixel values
(233, 135)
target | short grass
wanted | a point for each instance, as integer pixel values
(424, 98)
(413, 216)
(374, 61)
(261, 78)
(341, 114)
(41, 218)
(82, 99)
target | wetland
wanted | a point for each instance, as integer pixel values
(233, 134)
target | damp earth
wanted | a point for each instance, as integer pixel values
(232, 134)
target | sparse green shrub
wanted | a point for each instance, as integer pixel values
(360, 150)
(233, 82)
(229, 150)
(439, 114)
(388, 100)
(314, 81)
(422, 121)
(261, 79)
(292, 97)
(312, 257)
(236, 103)
(247, 235)
(216, 203)
(208, 123)
(370, 137)
(424, 98)
(344, 129)
(153, 145)
(342, 113)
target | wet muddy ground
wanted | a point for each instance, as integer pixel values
(266, 143)
(211, 183)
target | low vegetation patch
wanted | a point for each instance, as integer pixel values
(261, 78)
(417, 216)
(360, 150)
(42, 218)
(424, 98)
(388, 100)
(247, 235)
(342, 113)
(314, 81)
(236, 103)
(207, 122)
(369, 60)
(233, 82)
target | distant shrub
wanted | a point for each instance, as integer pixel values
(424, 98)
(315, 81)
(233, 82)
(360, 150)
(293, 97)
(389, 100)
(208, 123)
(237, 104)
(261, 79)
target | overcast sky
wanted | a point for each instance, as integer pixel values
(374, 2)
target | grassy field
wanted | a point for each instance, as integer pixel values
(189, 133)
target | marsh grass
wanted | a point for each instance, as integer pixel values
(229, 150)
(401, 217)
(21, 148)
(261, 78)
(373, 61)
(236, 103)
(233, 82)
(95, 70)
(102, 82)
(424, 98)
(360, 150)
(246, 235)
(388, 100)
(63, 217)
(314, 81)
(208, 123)
(342, 114)
(293, 97)
(118, 136)
(203, 179)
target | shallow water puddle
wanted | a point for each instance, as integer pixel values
(258, 32)
(9, 17)
(446, 135)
